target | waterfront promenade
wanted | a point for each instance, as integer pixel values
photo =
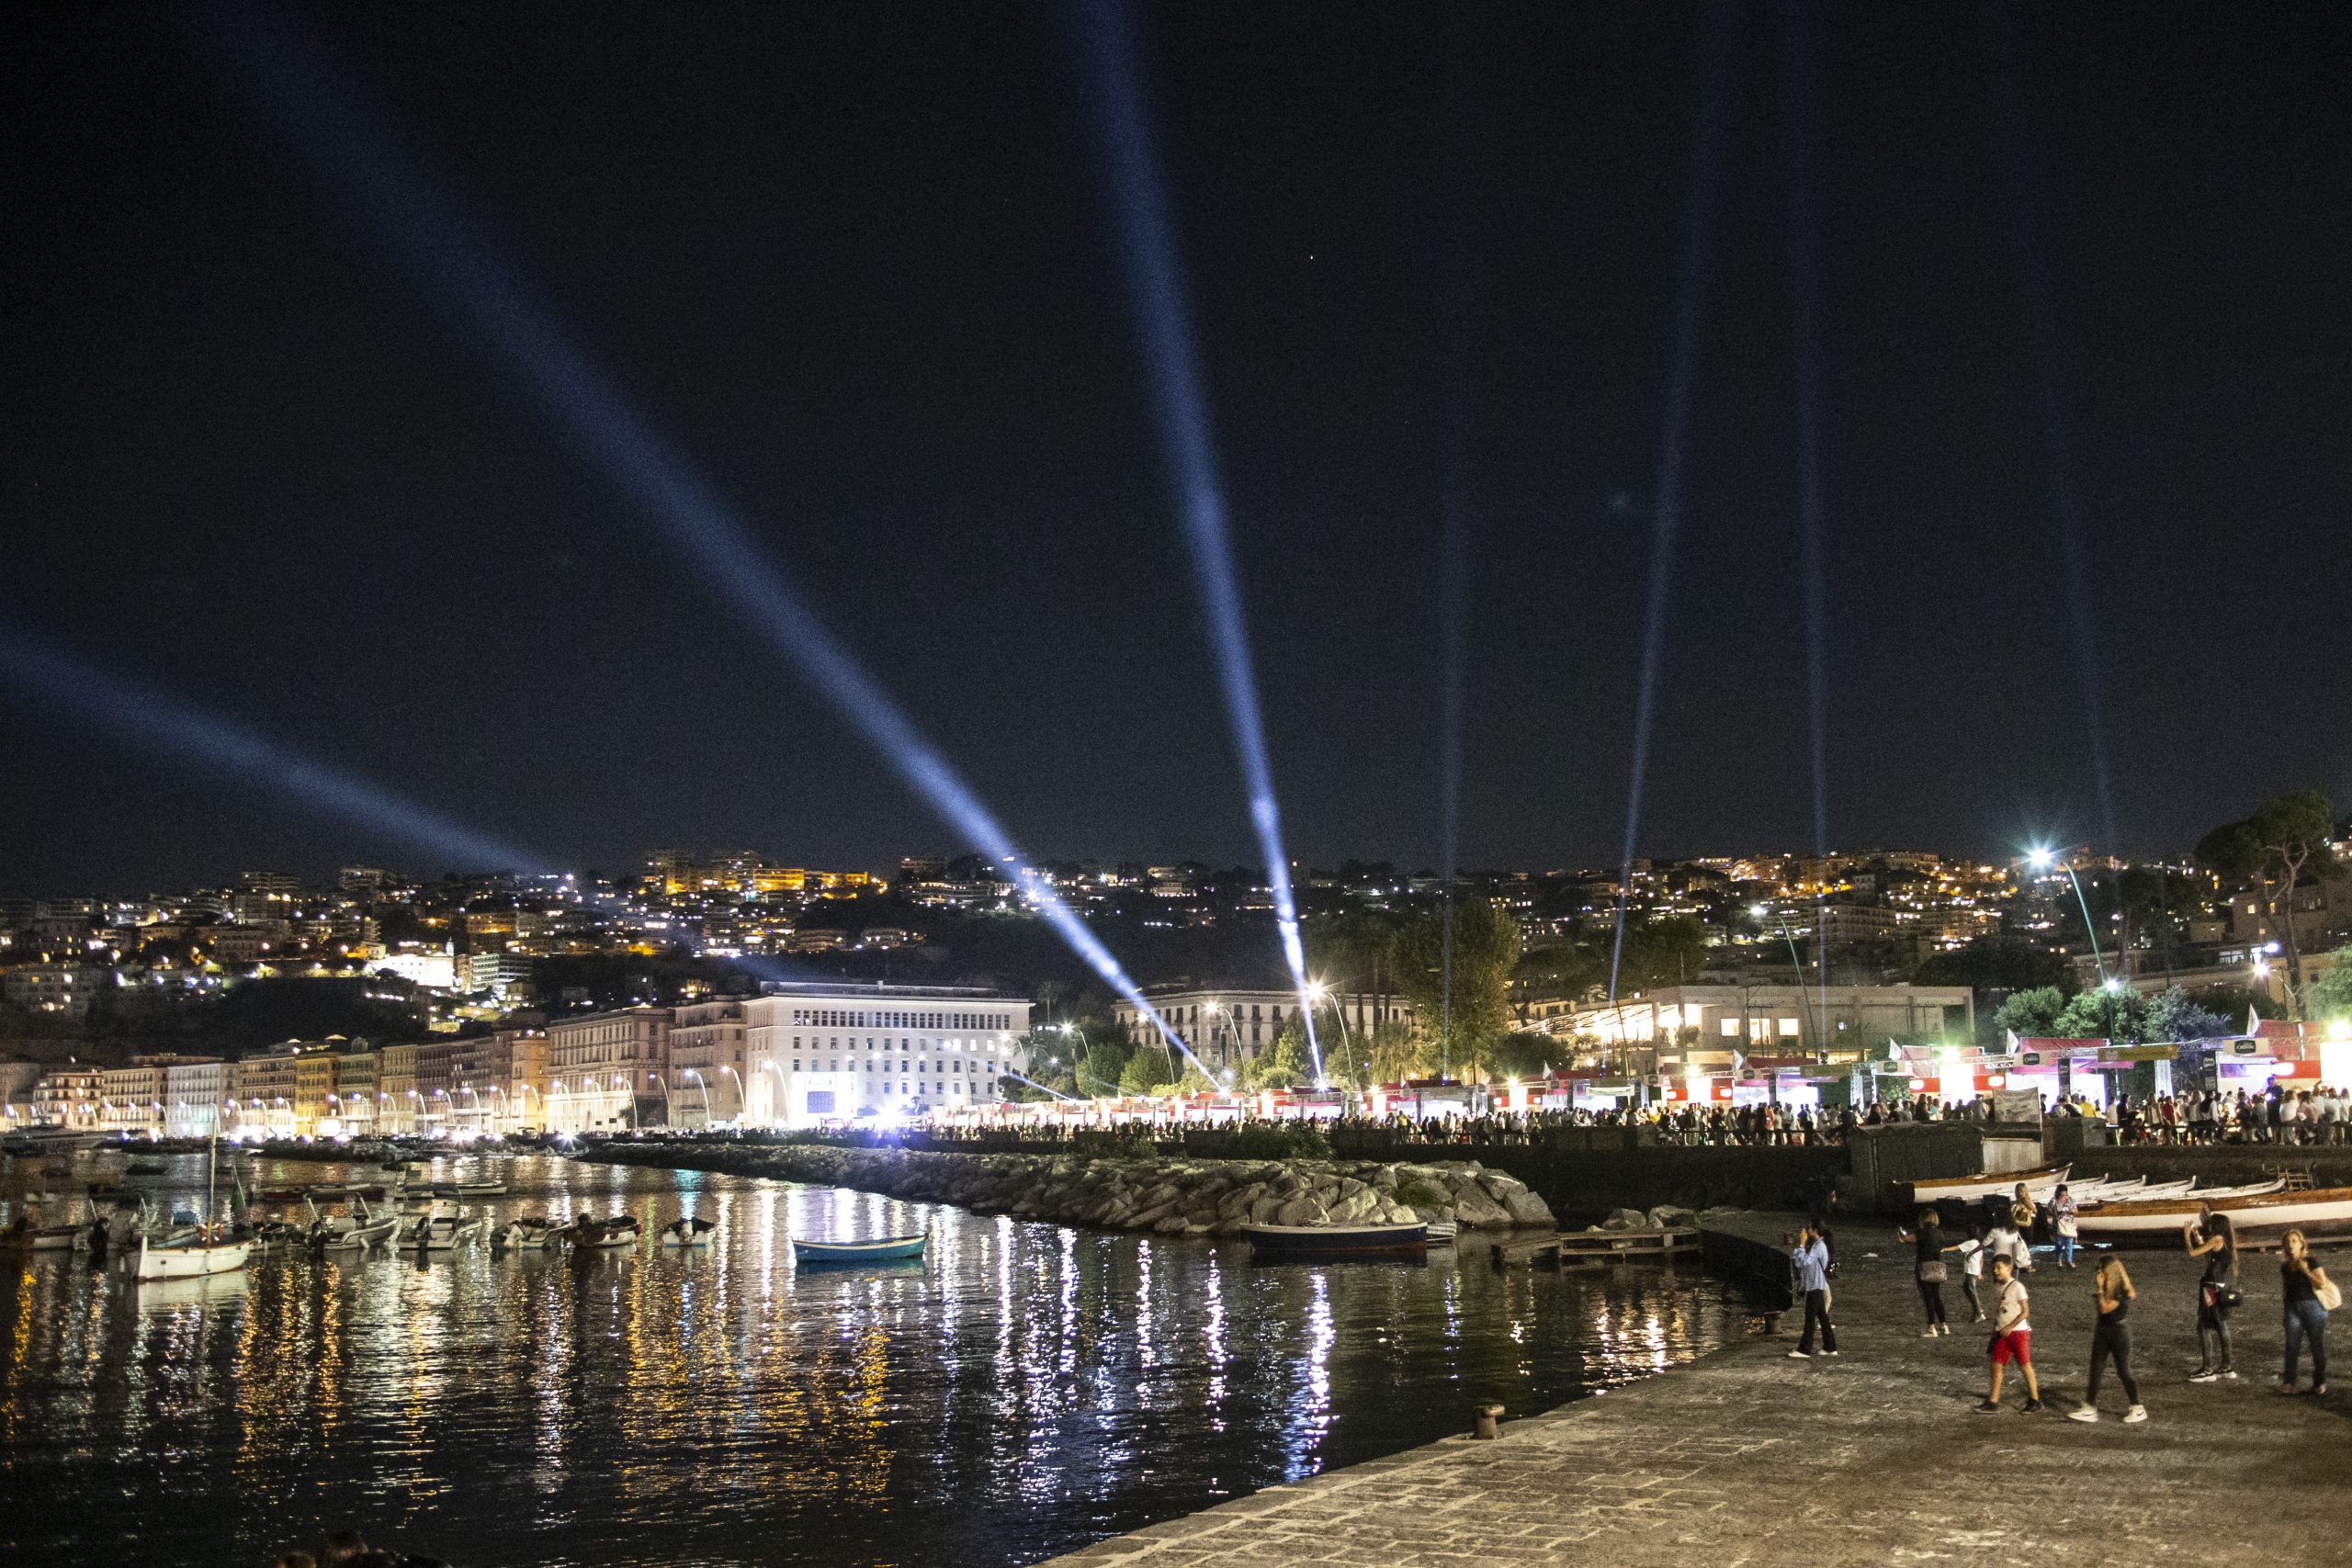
(1748, 1458)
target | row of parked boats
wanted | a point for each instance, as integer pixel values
(2115, 1211)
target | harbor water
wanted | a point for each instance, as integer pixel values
(1020, 1390)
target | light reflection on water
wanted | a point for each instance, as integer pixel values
(1021, 1391)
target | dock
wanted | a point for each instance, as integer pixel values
(1596, 1249)
(1749, 1458)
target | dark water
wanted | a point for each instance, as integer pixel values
(1023, 1391)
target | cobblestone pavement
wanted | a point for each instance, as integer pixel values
(1747, 1457)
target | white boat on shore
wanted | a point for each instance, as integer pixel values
(38, 1229)
(2324, 1211)
(2039, 1186)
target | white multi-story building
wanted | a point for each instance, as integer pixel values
(1226, 1027)
(837, 1053)
(706, 1064)
(193, 1097)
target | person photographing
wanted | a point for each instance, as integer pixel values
(1809, 1261)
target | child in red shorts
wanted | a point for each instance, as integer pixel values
(2012, 1337)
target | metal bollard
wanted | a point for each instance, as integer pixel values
(1489, 1421)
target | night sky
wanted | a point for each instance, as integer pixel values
(856, 264)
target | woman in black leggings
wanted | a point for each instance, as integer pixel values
(2213, 1239)
(2111, 1340)
(1931, 1270)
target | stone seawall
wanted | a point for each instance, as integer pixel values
(1195, 1197)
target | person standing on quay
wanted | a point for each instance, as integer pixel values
(2304, 1289)
(2111, 1337)
(1811, 1262)
(2012, 1337)
(2215, 1239)
(1972, 1270)
(2063, 1226)
(1931, 1270)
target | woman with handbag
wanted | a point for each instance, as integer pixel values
(2062, 1227)
(1930, 1270)
(2212, 1238)
(2308, 1296)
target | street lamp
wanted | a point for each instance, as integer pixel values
(2040, 858)
(1821, 1022)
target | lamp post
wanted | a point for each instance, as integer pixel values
(742, 1095)
(697, 1076)
(1804, 997)
(629, 1094)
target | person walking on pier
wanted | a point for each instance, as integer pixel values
(1930, 1270)
(2304, 1288)
(2111, 1337)
(1972, 1270)
(2213, 1239)
(1810, 1260)
(2012, 1341)
(2063, 1225)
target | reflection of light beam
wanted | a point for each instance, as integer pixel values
(1156, 291)
(2058, 443)
(585, 405)
(1804, 294)
(1682, 370)
(66, 680)
(1033, 1083)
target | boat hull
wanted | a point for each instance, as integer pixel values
(2325, 1210)
(889, 1250)
(192, 1262)
(1338, 1241)
(2039, 1186)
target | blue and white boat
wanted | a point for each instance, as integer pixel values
(889, 1249)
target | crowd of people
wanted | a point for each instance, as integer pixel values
(1995, 1255)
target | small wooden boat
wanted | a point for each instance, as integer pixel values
(686, 1231)
(621, 1230)
(194, 1257)
(34, 1231)
(1442, 1232)
(2322, 1210)
(1338, 1241)
(530, 1234)
(889, 1249)
(145, 1168)
(2039, 1186)
(442, 1228)
(361, 1228)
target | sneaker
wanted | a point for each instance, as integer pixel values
(2084, 1413)
(1929, 1332)
(2285, 1388)
(2136, 1415)
(2205, 1375)
(2228, 1376)
(2319, 1391)
(1799, 1355)
(1986, 1407)
(2032, 1405)
(1830, 1352)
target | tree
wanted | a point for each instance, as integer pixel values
(2271, 849)
(1104, 1064)
(2172, 1017)
(1282, 1064)
(2033, 1013)
(1525, 1055)
(1146, 1072)
(1485, 946)
(2330, 994)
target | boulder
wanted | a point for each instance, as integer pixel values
(1475, 1210)
(1625, 1220)
(1301, 1211)
(1527, 1208)
(1667, 1216)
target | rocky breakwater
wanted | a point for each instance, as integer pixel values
(1190, 1197)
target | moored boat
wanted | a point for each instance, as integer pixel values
(527, 1234)
(2039, 1185)
(442, 1228)
(887, 1250)
(621, 1230)
(194, 1257)
(688, 1231)
(2322, 1210)
(1338, 1241)
(36, 1231)
(362, 1227)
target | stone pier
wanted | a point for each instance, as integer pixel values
(1748, 1458)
